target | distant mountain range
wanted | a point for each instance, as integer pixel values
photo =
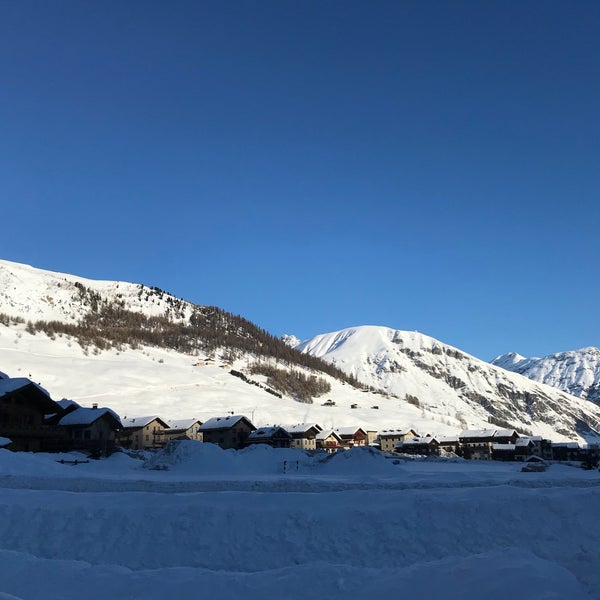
(576, 371)
(141, 350)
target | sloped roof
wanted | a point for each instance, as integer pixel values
(136, 422)
(418, 441)
(223, 422)
(267, 432)
(182, 423)
(87, 416)
(323, 435)
(349, 430)
(395, 432)
(12, 384)
(505, 433)
(448, 439)
(477, 433)
(301, 427)
(64, 403)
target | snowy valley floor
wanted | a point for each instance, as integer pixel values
(196, 521)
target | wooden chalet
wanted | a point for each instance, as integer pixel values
(352, 436)
(182, 429)
(388, 438)
(142, 433)
(329, 441)
(24, 408)
(477, 443)
(504, 452)
(423, 446)
(276, 437)
(450, 443)
(304, 435)
(92, 430)
(228, 432)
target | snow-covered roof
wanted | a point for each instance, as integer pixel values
(135, 422)
(64, 403)
(4, 442)
(222, 422)
(565, 445)
(323, 435)
(417, 441)
(87, 416)
(449, 439)
(395, 432)
(522, 442)
(301, 427)
(349, 430)
(266, 432)
(182, 423)
(505, 433)
(477, 433)
(16, 383)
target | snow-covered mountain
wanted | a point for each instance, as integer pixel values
(415, 381)
(576, 371)
(443, 380)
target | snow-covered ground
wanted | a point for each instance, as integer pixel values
(197, 521)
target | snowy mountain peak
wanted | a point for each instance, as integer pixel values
(441, 379)
(59, 329)
(575, 371)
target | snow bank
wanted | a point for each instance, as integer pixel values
(487, 575)
(355, 523)
(363, 461)
(195, 458)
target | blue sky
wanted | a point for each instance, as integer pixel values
(430, 166)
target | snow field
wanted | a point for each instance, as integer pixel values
(232, 523)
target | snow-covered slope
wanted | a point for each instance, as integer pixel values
(150, 380)
(576, 372)
(428, 386)
(36, 294)
(444, 381)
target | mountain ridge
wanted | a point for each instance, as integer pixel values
(396, 378)
(574, 371)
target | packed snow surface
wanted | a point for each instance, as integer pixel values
(233, 524)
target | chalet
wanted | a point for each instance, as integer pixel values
(477, 443)
(276, 437)
(352, 436)
(329, 441)
(505, 436)
(503, 452)
(182, 429)
(569, 451)
(304, 435)
(92, 430)
(142, 433)
(228, 432)
(424, 446)
(371, 436)
(450, 444)
(533, 445)
(388, 438)
(24, 406)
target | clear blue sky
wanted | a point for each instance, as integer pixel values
(315, 165)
